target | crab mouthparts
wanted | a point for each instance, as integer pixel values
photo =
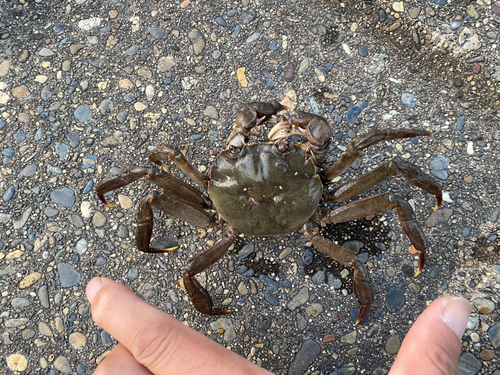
(284, 129)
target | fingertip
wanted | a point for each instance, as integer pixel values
(456, 315)
(93, 288)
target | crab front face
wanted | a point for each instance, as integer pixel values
(263, 191)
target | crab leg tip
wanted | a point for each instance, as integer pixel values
(363, 312)
(421, 262)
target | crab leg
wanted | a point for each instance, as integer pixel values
(410, 172)
(362, 286)
(162, 152)
(199, 295)
(371, 138)
(123, 178)
(372, 206)
(173, 206)
(164, 180)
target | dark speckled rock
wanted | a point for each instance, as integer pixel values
(308, 352)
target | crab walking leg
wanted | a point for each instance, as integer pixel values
(123, 178)
(173, 206)
(199, 295)
(375, 205)
(410, 172)
(362, 285)
(178, 188)
(164, 180)
(371, 138)
(162, 152)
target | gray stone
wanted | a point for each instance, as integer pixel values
(28, 171)
(43, 296)
(19, 223)
(83, 113)
(18, 302)
(468, 364)
(395, 299)
(63, 197)
(306, 355)
(438, 166)
(299, 299)
(82, 246)
(68, 276)
(227, 325)
(494, 336)
(156, 32)
(197, 41)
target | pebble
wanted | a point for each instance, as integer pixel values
(20, 92)
(314, 310)
(77, 340)
(211, 111)
(227, 325)
(349, 369)
(89, 161)
(83, 113)
(44, 329)
(307, 257)
(197, 41)
(17, 362)
(468, 364)
(393, 344)
(28, 171)
(354, 111)
(43, 296)
(441, 215)
(494, 215)
(19, 302)
(306, 355)
(408, 99)
(106, 339)
(494, 336)
(89, 23)
(349, 338)
(62, 364)
(438, 167)
(362, 51)
(156, 32)
(63, 197)
(19, 223)
(68, 276)
(299, 299)
(246, 251)
(395, 299)
(304, 65)
(9, 193)
(29, 280)
(269, 283)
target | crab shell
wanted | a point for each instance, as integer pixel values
(264, 191)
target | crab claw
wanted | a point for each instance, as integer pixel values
(312, 127)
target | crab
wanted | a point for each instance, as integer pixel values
(275, 188)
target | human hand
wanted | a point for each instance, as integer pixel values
(153, 342)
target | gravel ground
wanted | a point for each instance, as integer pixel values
(88, 87)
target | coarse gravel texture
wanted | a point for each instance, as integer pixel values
(89, 87)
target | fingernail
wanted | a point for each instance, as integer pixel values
(456, 315)
(92, 288)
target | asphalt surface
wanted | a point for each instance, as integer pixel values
(90, 87)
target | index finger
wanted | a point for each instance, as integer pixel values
(157, 340)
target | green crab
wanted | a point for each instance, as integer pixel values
(275, 188)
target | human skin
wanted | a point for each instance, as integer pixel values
(153, 342)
